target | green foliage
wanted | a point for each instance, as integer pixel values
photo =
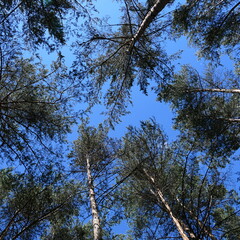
(94, 157)
(231, 227)
(37, 18)
(94, 143)
(206, 107)
(209, 26)
(42, 23)
(30, 205)
(33, 108)
(70, 231)
(192, 190)
(36, 101)
(147, 148)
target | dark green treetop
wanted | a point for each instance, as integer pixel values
(207, 107)
(40, 21)
(211, 26)
(33, 107)
(32, 206)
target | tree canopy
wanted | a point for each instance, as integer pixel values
(61, 59)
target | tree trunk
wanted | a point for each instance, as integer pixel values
(153, 12)
(97, 231)
(223, 90)
(162, 200)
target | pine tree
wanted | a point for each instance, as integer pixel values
(206, 107)
(94, 153)
(210, 26)
(122, 57)
(34, 111)
(167, 194)
(39, 23)
(32, 205)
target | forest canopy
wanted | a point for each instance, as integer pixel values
(61, 61)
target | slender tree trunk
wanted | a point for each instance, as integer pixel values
(97, 231)
(188, 230)
(231, 119)
(223, 90)
(162, 200)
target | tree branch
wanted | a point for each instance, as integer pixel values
(223, 90)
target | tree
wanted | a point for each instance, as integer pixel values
(31, 205)
(211, 26)
(207, 106)
(117, 57)
(36, 100)
(93, 155)
(175, 197)
(120, 57)
(143, 164)
(41, 21)
(33, 108)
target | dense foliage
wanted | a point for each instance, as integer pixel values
(31, 205)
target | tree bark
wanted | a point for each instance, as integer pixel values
(201, 225)
(162, 200)
(97, 231)
(153, 12)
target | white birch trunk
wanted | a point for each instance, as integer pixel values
(97, 231)
(231, 119)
